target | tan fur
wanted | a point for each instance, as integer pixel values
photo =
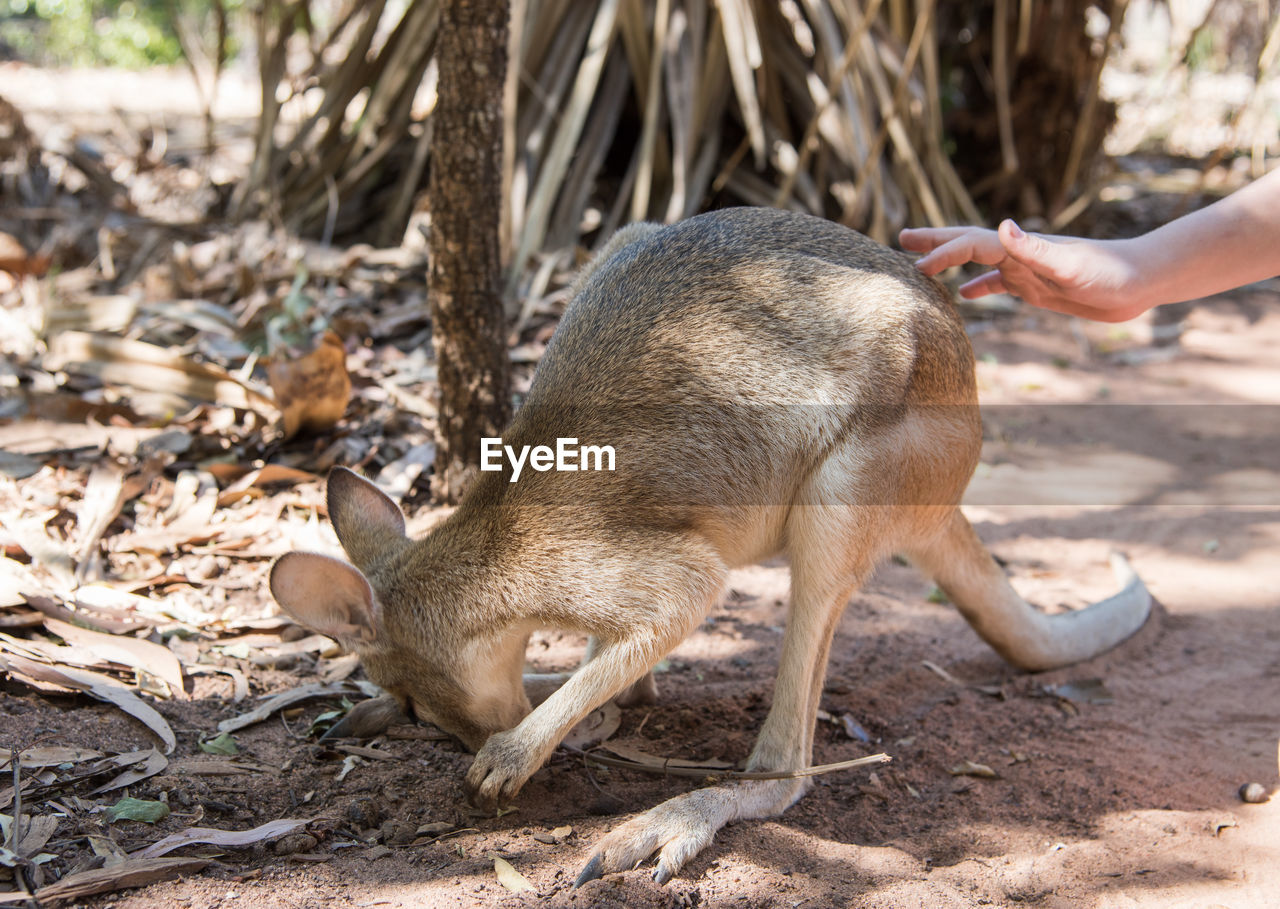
(772, 384)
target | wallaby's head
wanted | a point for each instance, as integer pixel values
(397, 611)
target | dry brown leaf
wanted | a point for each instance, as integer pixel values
(16, 581)
(660, 763)
(315, 643)
(39, 830)
(129, 873)
(129, 651)
(280, 701)
(15, 259)
(19, 618)
(139, 765)
(98, 607)
(192, 526)
(136, 364)
(595, 728)
(102, 312)
(50, 756)
(972, 768)
(103, 498)
(44, 651)
(264, 476)
(338, 668)
(49, 554)
(240, 684)
(211, 835)
(509, 877)
(312, 391)
(376, 754)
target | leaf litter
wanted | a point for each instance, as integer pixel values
(149, 479)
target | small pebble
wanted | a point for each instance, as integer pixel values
(364, 813)
(1254, 793)
(295, 842)
(396, 832)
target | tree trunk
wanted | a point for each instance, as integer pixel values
(465, 189)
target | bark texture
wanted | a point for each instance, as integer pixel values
(465, 188)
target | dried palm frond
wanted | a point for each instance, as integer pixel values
(656, 109)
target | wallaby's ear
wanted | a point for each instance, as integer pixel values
(367, 521)
(326, 595)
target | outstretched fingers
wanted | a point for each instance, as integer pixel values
(926, 239)
(971, 245)
(990, 283)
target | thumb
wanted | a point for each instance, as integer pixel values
(1047, 259)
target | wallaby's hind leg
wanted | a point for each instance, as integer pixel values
(1028, 639)
(644, 691)
(824, 574)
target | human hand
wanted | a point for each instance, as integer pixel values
(1094, 279)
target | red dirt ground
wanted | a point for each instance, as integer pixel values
(1104, 805)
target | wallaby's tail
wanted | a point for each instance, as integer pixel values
(1028, 639)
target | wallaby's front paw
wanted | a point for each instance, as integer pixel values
(501, 767)
(680, 827)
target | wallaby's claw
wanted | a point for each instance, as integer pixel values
(499, 771)
(677, 830)
(591, 872)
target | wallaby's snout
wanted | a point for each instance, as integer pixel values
(387, 606)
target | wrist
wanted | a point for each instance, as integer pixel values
(1142, 275)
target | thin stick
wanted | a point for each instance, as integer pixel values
(15, 834)
(711, 774)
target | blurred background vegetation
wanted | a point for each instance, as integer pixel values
(875, 113)
(123, 33)
(863, 110)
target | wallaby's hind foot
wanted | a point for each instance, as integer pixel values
(683, 826)
(1028, 639)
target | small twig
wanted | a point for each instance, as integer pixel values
(943, 674)
(443, 836)
(715, 775)
(21, 873)
(15, 834)
(643, 721)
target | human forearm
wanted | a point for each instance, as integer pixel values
(1234, 241)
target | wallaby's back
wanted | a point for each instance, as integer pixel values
(757, 337)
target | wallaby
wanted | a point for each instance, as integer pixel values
(771, 383)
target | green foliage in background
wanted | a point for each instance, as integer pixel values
(126, 33)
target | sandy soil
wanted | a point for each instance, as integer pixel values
(1116, 804)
